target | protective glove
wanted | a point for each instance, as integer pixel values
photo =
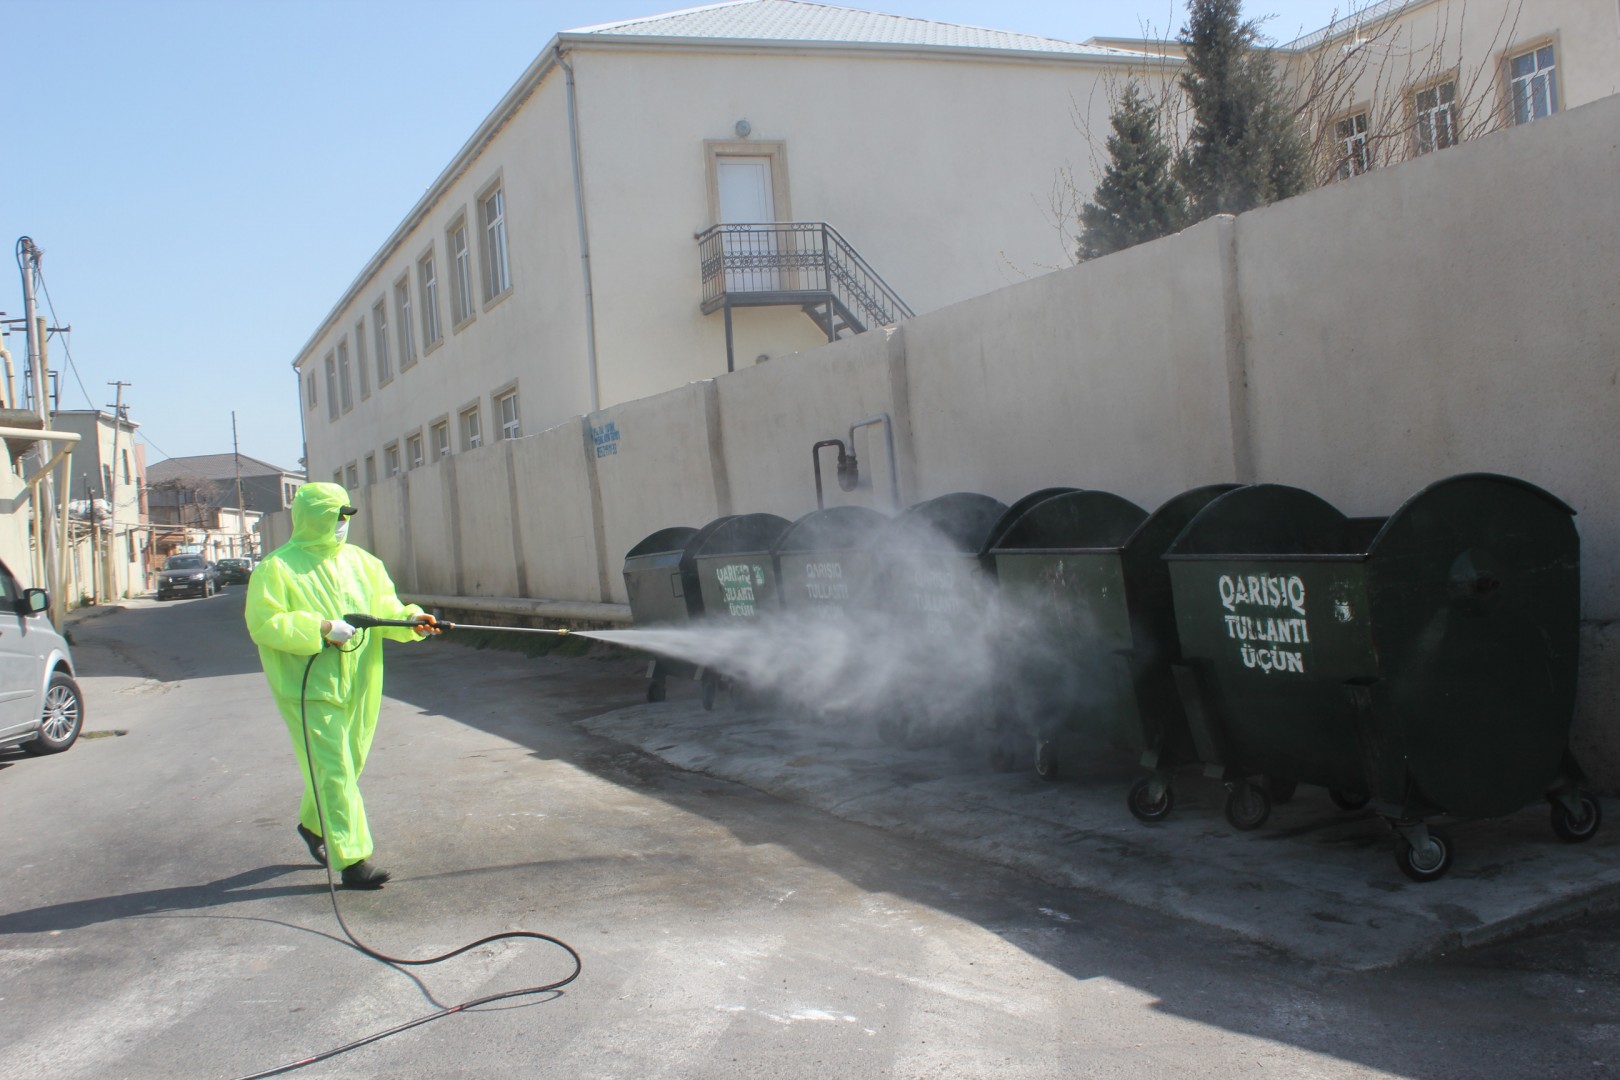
(337, 631)
(426, 624)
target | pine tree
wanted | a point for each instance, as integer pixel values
(1138, 198)
(1244, 149)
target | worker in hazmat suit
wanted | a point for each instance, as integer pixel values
(296, 601)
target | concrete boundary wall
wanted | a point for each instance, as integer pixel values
(1456, 313)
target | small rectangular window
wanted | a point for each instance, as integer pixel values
(506, 407)
(497, 275)
(125, 455)
(428, 288)
(413, 452)
(472, 431)
(461, 308)
(310, 395)
(1534, 84)
(352, 474)
(371, 468)
(343, 376)
(360, 359)
(331, 387)
(407, 330)
(441, 439)
(391, 459)
(1436, 117)
(337, 478)
(1350, 133)
(379, 329)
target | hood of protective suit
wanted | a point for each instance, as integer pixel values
(315, 515)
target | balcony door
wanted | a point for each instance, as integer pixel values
(747, 196)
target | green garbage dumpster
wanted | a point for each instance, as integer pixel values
(660, 578)
(824, 562)
(1087, 569)
(737, 574)
(1426, 662)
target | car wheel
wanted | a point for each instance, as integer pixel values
(61, 719)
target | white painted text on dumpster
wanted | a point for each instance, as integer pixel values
(1266, 613)
(737, 581)
(824, 582)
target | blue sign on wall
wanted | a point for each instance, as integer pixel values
(606, 439)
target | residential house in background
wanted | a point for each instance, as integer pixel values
(194, 503)
(660, 200)
(108, 538)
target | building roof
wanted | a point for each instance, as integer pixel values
(799, 20)
(1351, 22)
(212, 467)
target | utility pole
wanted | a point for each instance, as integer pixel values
(241, 511)
(112, 489)
(28, 258)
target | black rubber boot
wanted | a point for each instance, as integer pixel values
(317, 846)
(364, 875)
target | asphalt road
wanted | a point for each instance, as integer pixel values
(159, 918)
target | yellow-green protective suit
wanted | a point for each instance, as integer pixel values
(312, 577)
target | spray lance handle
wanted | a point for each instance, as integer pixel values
(366, 622)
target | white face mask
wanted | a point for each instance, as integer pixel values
(342, 531)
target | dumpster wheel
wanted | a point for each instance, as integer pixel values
(1248, 805)
(1046, 763)
(1575, 828)
(1144, 806)
(1427, 862)
(1348, 800)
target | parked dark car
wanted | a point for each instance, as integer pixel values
(234, 571)
(187, 575)
(41, 706)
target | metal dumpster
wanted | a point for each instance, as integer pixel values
(932, 583)
(1086, 568)
(824, 562)
(1428, 665)
(660, 577)
(736, 573)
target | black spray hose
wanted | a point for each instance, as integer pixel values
(331, 885)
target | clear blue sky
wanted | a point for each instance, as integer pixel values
(206, 177)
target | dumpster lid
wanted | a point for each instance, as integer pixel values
(963, 518)
(837, 528)
(1269, 520)
(1017, 510)
(1484, 484)
(673, 538)
(1073, 521)
(744, 533)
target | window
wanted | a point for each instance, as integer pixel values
(428, 285)
(391, 459)
(407, 332)
(331, 388)
(497, 275)
(352, 474)
(379, 328)
(360, 359)
(506, 407)
(309, 397)
(413, 451)
(106, 481)
(343, 376)
(472, 431)
(371, 468)
(337, 478)
(1350, 136)
(1534, 85)
(441, 439)
(1436, 117)
(125, 455)
(460, 274)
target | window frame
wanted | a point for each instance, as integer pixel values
(311, 397)
(351, 476)
(494, 253)
(407, 332)
(1345, 152)
(440, 426)
(472, 436)
(379, 330)
(371, 467)
(415, 451)
(331, 385)
(1555, 95)
(345, 385)
(427, 295)
(360, 359)
(391, 460)
(509, 392)
(463, 302)
(1417, 113)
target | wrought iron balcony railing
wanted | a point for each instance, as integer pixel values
(802, 263)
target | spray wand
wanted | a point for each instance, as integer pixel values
(366, 622)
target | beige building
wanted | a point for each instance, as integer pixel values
(108, 536)
(662, 200)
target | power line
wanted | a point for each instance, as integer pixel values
(66, 348)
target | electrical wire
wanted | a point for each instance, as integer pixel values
(331, 885)
(39, 272)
